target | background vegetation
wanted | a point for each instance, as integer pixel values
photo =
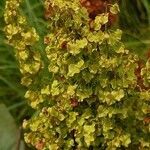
(134, 20)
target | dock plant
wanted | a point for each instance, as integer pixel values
(83, 84)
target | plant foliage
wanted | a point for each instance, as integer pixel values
(83, 84)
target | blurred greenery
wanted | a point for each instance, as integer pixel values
(134, 20)
(9, 131)
(11, 91)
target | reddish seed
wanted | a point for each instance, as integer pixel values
(48, 12)
(64, 45)
(87, 4)
(140, 81)
(74, 102)
(46, 40)
(39, 145)
(147, 120)
(62, 78)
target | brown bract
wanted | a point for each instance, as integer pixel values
(96, 7)
(46, 40)
(140, 81)
(147, 120)
(48, 12)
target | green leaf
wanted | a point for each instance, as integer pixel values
(145, 95)
(8, 130)
(89, 128)
(75, 68)
(89, 133)
(125, 140)
(45, 90)
(100, 20)
(53, 146)
(89, 138)
(71, 89)
(85, 115)
(84, 93)
(72, 118)
(55, 88)
(114, 9)
(77, 46)
(115, 37)
(96, 37)
(111, 97)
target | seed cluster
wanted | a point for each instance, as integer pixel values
(85, 94)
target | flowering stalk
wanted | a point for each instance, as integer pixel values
(86, 93)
